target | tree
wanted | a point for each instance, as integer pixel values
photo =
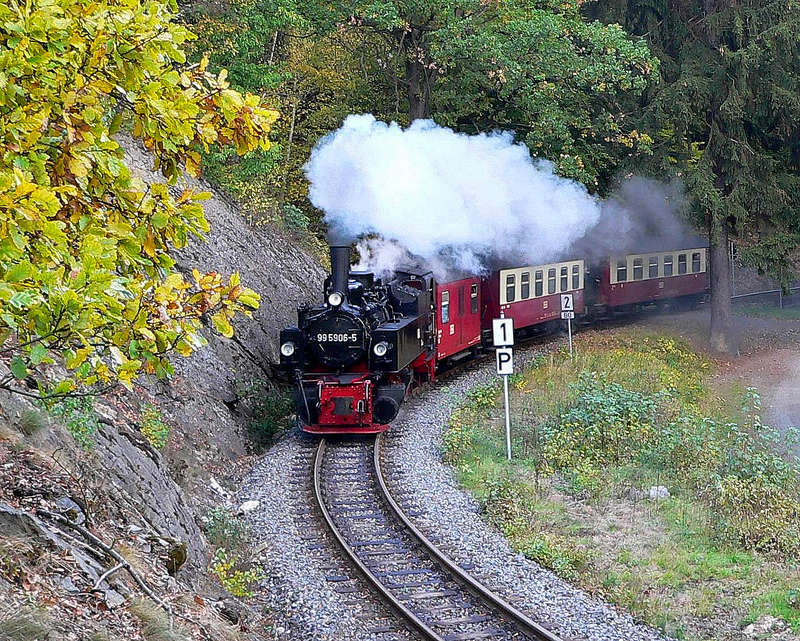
(726, 115)
(85, 268)
(564, 84)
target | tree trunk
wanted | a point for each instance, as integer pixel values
(722, 338)
(418, 103)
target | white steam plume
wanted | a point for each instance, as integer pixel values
(448, 198)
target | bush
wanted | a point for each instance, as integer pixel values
(294, 218)
(153, 427)
(236, 581)
(223, 528)
(270, 410)
(79, 418)
(756, 514)
(604, 423)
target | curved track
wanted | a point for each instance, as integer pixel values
(437, 599)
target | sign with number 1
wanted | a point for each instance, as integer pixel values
(503, 332)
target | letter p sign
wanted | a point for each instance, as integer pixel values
(504, 358)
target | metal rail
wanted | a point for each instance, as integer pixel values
(387, 596)
(522, 625)
(530, 627)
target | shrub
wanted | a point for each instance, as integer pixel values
(153, 427)
(225, 528)
(270, 410)
(79, 418)
(604, 423)
(756, 514)
(294, 218)
(236, 581)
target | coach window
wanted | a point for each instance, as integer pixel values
(551, 280)
(695, 262)
(681, 263)
(638, 269)
(511, 287)
(538, 288)
(653, 267)
(473, 299)
(576, 277)
(525, 285)
(445, 307)
(564, 279)
(622, 270)
(667, 264)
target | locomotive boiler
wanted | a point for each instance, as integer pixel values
(353, 357)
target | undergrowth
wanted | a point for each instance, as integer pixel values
(631, 412)
(79, 418)
(237, 580)
(270, 410)
(153, 426)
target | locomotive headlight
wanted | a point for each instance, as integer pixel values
(287, 349)
(335, 299)
(381, 348)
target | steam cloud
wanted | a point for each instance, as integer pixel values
(459, 203)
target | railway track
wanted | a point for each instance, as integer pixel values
(436, 599)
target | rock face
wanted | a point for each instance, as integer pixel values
(170, 489)
(201, 403)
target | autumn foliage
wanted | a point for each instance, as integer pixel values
(85, 265)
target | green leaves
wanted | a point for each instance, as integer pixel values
(18, 368)
(85, 269)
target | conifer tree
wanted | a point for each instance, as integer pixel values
(726, 115)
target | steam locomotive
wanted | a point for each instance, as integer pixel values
(355, 357)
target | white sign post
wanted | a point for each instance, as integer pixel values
(503, 338)
(568, 312)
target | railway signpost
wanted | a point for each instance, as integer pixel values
(503, 339)
(568, 313)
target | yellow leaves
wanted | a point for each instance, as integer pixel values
(149, 244)
(78, 233)
(193, 163)
(79, 166)
(222, 324)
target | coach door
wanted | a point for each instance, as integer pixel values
(461, 319)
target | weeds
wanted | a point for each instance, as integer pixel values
(223, 528)
(32, 421)
(153, 427)
(156, 625)
(630, 412)
(269, 409)
(237, 581)
(79, 418)
(30, 625)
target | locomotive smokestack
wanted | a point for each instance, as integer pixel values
(340, 268)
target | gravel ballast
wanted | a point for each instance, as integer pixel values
(307, 606)
(451, 518)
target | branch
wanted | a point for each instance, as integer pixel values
(123, 563)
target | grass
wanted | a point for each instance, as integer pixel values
(155, 623)
(591, 436)
(767, 311)
(31, 625)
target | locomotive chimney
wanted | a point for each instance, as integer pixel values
(340, 268)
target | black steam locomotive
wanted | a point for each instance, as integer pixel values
(354, 357)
